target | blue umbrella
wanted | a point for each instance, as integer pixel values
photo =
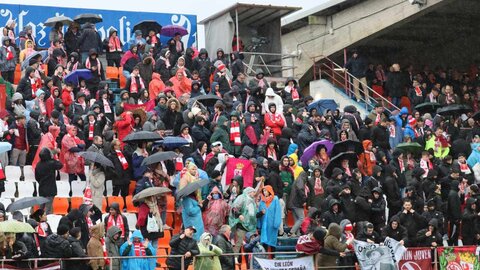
(76, 76)
(323, 104)
(172, 142)
(5, 147)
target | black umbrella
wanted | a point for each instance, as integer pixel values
(88, 17)
(428, 107)
(191, 187)
(347, 146)
(97, 158)
(159, 157)
(336, 162)
(142, 136)
(58, 19)
(26, 203)
(454, 109)
(207, 100)
(147, 26)
(149, 192)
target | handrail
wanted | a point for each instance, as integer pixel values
(258, 56)
(336, 69)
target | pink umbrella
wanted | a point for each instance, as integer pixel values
(172, 30)
(311, 151)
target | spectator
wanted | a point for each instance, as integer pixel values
(223, 242)
(137, 246)
(183, 244)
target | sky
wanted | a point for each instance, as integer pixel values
(201, 8)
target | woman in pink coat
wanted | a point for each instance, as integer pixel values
(73, 164)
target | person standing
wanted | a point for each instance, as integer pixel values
(357, 66)
(19, 142)
(270, 217)
(45, 173)
(243, 216)
(208, 254)
(183, 244)
(97, 184)
(122, 173)
(223, 242)
(113, 47)
(74, 164)
(7, 60)
(96, 248)
(137, 246)
(116, 219)
(396, 85)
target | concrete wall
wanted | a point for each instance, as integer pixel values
(367, 19)
(323, 89)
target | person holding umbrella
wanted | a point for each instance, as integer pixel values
(148, 210)
(56, 33)
(176, 47)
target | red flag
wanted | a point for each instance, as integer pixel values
(243, 167)
(416, 259)
(453, 258)
(147, 106)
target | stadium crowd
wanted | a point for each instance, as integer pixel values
(410, 175)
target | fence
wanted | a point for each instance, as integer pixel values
(434, 259)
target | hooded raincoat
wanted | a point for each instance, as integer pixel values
(270, 221)
(140, 264)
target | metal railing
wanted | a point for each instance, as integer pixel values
(271, 63)
(324, 67)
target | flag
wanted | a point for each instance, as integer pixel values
(147, 106)
(452, 258)
(416, 259)
(242, 167)
(373, 256)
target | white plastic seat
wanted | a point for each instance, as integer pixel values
(29, 173)
(78, 187)
(13, 173)
(132, 220)
(104, 215)
(109, 185)
(63, 189)
(53, 220)
(25, 189)
(10, 189)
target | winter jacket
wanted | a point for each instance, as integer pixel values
(78, 251)
(57, 246)
(225, 245)
(192, 216)
(470, 223)
(400, 233)
(7, 65)
(426, 241)
(209, 256)
(95, 247)
(121, 176)
(89, 39)
(24, 86)
(97, 185)
(363, 208)
(396, 84)
(45, 173)
(332, 241)
(380, 137)
(180, 247)
(156, 86)
(112, 246)
(454, 203)
(332, 217)
(413, 222)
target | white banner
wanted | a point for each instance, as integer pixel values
(373, 256)
(396, 250)
(303, 263)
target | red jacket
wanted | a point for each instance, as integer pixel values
(307, 245)
(156, 86)
(123, 126)
(275, 122)
(66, 99)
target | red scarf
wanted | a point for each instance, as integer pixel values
(235, 133)
(90, 130)
(106, 106)
(295, 95)
(153, 39)
(178, 164)
(2, 173)
(34, 86)
(89, 222)
(118, 222)
(105, 254)
(40, 231)
(318, 188)
(401, 165)
(377, 119)
(134, 86)
(139, 249)
(391, 128)
(418, 91)
(9, 52)
(114, 44)
(88, 65)
(122, 159)
(272, 153)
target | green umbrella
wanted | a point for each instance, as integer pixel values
(13, 226)
(414, 148)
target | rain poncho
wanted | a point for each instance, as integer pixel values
(73, 164)
(269, 223)
(244, 205)
(212, 262)
(140, 264)
(192, 216)
(215, 212)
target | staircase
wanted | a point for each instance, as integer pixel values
(332, 80)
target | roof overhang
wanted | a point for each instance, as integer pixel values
(253, 14)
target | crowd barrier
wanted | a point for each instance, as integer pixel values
(466, 257)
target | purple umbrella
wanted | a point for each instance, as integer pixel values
(171, 30)
(310, 151)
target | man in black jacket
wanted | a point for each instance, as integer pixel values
(45, 176)
(396, 231)
(454, 211)
(57, 245)
(34, 133)
(380, 136)
(412, 221)
(223, 242)
(183, 244)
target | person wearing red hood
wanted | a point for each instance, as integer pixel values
(156, 86)
(215, 209)
(72, 163)
(123, 124)
(181, 84)
(366, 160)
(49, 140)
(67, 96)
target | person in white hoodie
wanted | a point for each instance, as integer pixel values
(271, 97)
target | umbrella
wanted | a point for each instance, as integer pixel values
(76, 76)
(454, 109)
(5, 147)
(311, 150)
(97, 158)
(323, 104)
(476, 116)
(336, 162)
(347, 146)
(58, 19)
(26, 203)
(171, 30)
(192, 187)
(146, 26)
(13, 226)
(158, 157)
(142, 136)
(207, 100)
(88, 17)
(171, 142)
(413, 147)
(427, 107)
(151, 191)
(40, 54)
